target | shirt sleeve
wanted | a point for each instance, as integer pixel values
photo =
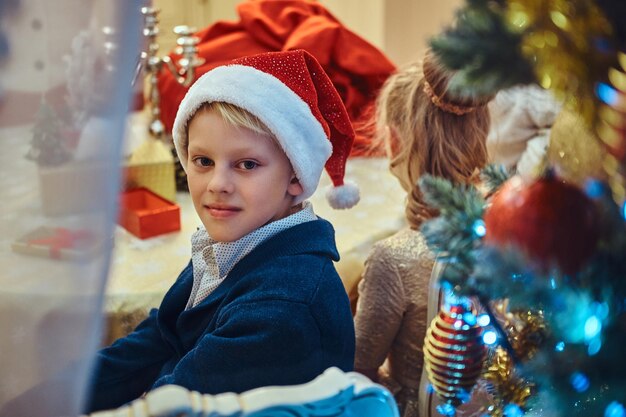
(380, 308)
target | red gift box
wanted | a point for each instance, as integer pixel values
(58, 243)
(146, 214)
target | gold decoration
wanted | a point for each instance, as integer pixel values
(526, 331)
(506, 386)
(575, 150)
(611, 127)
(151, 165)
(617, 178)
(563, 38)
(453, 354)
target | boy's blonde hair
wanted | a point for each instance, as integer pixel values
(428, 130)
(236, 117)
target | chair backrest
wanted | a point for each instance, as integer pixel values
(332, 394)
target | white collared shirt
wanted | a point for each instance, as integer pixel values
(212, 261)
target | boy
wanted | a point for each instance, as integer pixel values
(260, 303)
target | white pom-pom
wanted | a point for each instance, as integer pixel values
(344, 196)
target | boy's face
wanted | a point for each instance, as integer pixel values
(239, 180)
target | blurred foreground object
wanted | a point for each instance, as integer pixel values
(67, 64)
(580, 159)
(334, 393)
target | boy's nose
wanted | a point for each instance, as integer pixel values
(220, 181)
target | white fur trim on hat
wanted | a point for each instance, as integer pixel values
(285, 114)
(344, 196)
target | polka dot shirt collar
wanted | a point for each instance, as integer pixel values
(212, 261)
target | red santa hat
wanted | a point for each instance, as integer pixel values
(292, 95)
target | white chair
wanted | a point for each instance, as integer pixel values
(332, 394)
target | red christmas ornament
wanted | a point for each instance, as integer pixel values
(553, 222)
(453, 354)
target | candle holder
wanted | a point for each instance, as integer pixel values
(183, 69)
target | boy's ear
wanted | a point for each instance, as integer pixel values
(295, 188)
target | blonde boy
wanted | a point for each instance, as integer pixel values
(260, 303)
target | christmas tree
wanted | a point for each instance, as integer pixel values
(542, 262)
(48, 144)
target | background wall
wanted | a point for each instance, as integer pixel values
(401, 28)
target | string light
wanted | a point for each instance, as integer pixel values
(579, 382)
(593, 326)
(560, 347)
(594, 346)
(490, 337)
(615, 409)
(513, 410)
(479, 228)
(602, 310)
(595, 189)
(484, 320)
(469, 318)
(607, 94)
(446, 409)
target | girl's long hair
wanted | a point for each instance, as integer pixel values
(418, 119)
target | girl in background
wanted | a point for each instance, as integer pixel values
(427, 130)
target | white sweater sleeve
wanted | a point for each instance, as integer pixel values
(518, 115)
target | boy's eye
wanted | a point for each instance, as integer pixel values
(247, 165)
(203, 161)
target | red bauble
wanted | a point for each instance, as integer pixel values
(454, 354)
(553, 222)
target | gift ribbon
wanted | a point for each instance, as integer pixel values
(61, 239)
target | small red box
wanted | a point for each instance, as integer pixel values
(58, 243)
(146, 214)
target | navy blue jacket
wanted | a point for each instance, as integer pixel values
(280, 317)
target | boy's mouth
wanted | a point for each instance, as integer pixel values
(222, 210)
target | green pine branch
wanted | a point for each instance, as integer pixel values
(484, 50)
(493, 176)
(455, 233)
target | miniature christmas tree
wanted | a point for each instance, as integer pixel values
(48, 144)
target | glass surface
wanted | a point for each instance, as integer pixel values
(65, 75)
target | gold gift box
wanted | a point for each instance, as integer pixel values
(151, 166)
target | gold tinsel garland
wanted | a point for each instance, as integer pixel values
(506, 386)
(611, 127)
(577, 158)
(572, 48)
(568, 42)
(526, 331)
